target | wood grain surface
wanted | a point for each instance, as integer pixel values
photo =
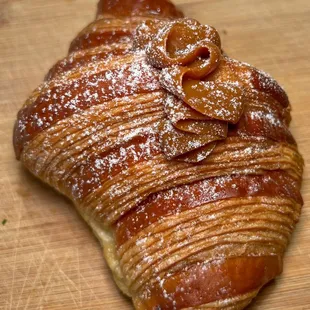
(49, 259)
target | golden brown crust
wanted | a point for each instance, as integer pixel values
(155, 9)
(201, 284)
(183, 198)
(87, 56)
(82, 90)
(194, 208)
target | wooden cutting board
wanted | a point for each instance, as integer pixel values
(49, 259)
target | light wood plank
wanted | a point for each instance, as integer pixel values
(49, 259)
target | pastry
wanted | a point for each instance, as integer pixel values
(178, 157)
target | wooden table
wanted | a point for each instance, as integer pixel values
(49, 259)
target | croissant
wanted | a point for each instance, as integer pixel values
(178, 157)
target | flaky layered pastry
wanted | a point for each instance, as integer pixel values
(177, 156)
